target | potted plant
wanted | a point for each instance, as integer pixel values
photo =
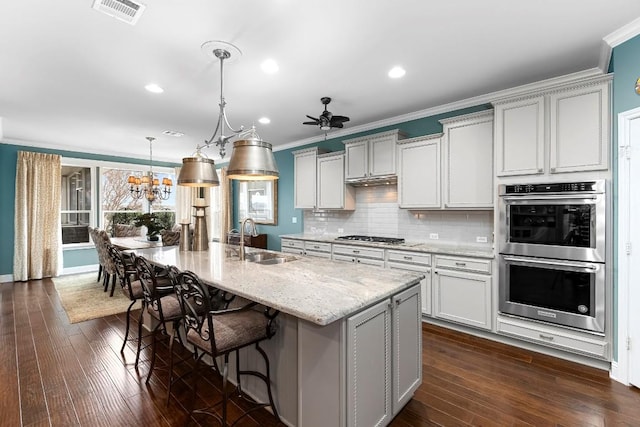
(154, 227)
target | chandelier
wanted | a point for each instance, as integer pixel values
(251, 159)
(147, 185)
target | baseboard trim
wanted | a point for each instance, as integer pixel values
(80, 269)
(6, 278)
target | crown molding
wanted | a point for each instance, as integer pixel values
(453, 106)
(614, 39)
(94, 150)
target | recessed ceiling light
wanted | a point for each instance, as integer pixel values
(154, 88)
(269, 66)
(264, 120)
(397, 72)
(173, 133)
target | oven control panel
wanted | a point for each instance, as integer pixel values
(557, 187)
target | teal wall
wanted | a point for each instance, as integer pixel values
(625, 64)
(8, 159)
(284, 160)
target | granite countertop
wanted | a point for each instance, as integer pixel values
(317, 290)
(475, 251)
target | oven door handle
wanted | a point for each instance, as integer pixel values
(576, 266)
(546, 197)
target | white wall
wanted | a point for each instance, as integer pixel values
(377, 214)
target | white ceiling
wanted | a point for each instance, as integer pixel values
(73, 78)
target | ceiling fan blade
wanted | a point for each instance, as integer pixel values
(312, 118)
(310, 123)
(340, 119)
(336, 125)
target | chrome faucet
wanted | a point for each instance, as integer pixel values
(254, 233)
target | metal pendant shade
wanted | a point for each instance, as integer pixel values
(251, 160)
(198, 171)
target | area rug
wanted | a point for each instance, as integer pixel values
(83, 298)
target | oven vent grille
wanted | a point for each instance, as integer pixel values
(127, 11)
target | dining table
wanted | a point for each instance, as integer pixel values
(135, 242)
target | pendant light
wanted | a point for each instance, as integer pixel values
(251, 159)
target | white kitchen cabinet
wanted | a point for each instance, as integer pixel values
(418, 262)
(317, 249)
(551, 336)
(371, 156)
(565, 129)
(332, 192)
(419, 183)
(467, 158)
(384, 359)
(292, 246)
(305, 178)
(462, 291)
(319, 180)
(358, 255)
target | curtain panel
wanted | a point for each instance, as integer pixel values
(37, 244)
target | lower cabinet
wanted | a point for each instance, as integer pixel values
(358, 255)
(462, 291)
(419, 263)
(384, 358)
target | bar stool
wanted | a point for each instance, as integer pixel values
(162, 305)
(218, 333)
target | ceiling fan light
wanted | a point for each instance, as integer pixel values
(252, 160)
(325, 127)
(198, 171)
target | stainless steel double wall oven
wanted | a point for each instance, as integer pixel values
(553, 251)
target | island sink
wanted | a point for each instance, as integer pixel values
(267, 258)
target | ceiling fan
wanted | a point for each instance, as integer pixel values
(327, 120)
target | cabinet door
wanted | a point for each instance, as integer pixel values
(425, 284)
(407, 346)
(305, 180)
(462, 297)
(331, 182)
(357, 159)
(579, 129)
(369, 367)
(468, 164)
(382, 156)
(519, 137)
(419, 174)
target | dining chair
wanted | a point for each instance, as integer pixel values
(132, 289)
(162, 305)
(217, 331)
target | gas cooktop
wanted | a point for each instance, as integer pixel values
(359, 238)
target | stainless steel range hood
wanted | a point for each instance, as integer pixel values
(372, 181)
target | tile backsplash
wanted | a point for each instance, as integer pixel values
(377, 214)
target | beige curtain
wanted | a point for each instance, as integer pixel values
(37, 244)
(226, 204)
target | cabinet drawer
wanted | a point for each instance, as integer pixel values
(358, 260)
(552, 338)
(465, 264)
(317, 247)
(359, 251)
(409, 257)
(317, 254)
(286, 243)
(288, 250)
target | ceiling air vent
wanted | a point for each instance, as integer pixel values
(124, 10)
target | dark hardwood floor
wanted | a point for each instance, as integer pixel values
(54, 373)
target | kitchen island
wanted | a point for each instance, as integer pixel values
(348, 346)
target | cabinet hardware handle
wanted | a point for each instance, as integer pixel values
(356, 252)
(546, 337)
(461, 264)
(398, 302)
(553, 169)
(540, 170)
(356, 260)
(316, 247)
(409, 258)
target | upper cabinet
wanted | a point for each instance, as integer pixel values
(452, 170)
(305, 176)
(319, 180)
(371, 156)
(419, 184)
(332, 192)
(467, 154)
(562, 130)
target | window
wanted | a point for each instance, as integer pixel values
(81, 183)
(119, 208)
(76, 203)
